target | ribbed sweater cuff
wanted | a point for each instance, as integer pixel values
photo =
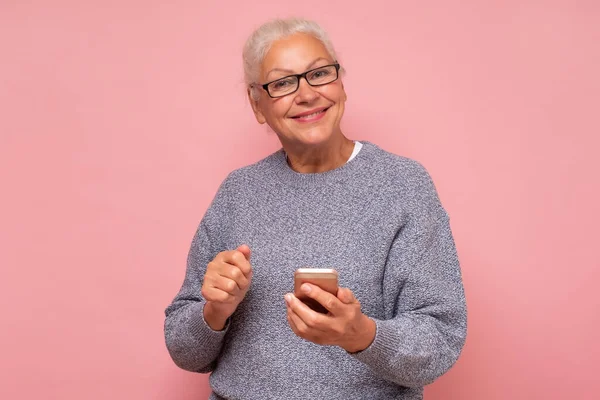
(200, 329)
(383, 346)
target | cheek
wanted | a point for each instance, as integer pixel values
(279, 110)
(335, 93)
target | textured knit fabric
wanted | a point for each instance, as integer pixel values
(378, 221)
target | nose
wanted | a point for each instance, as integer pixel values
(305, 93)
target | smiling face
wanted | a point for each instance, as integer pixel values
(311, 115)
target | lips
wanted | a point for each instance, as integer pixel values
(310, 114)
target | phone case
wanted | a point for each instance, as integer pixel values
(326, 279)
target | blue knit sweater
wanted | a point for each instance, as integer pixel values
(379, 222)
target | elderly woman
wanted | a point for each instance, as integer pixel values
(398, 321)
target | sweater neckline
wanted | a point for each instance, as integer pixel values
(283, 172)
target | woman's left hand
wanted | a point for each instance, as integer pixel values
(345, 325)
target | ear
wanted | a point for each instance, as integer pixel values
(344, 90)
(256, 108)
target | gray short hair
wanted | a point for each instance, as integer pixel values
(260, 41)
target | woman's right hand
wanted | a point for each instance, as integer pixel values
(225, 285)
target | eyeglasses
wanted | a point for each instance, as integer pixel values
(314, 77)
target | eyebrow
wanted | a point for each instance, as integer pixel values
(289, 71)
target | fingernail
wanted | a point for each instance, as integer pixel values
(288, 298)
(306, 288)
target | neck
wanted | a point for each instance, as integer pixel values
(319, 158)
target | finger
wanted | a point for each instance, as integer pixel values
(308, 316)
(326, 299)
(244, 249)
(297, 325)
(238, 259)
(216, 295)
(346, 296)
(235, 274)
(225, 284)
(293, 325)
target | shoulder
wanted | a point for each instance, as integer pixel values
(239, 185)
(399, 171)
(249, 176)
(406, 182)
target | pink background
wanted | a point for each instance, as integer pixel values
(118, 120)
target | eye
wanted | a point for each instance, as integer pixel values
(282, 84)
(320, 73)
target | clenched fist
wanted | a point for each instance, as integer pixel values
(225, 285)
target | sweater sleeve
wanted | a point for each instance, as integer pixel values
(192, 344)
(424, 329)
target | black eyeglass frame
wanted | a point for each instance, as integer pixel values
(303, 75)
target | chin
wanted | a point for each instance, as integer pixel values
(314, 136)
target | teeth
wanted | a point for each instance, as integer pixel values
(311, 115)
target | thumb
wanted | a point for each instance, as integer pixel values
(245, 250)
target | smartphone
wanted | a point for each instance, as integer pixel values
(326, 279)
